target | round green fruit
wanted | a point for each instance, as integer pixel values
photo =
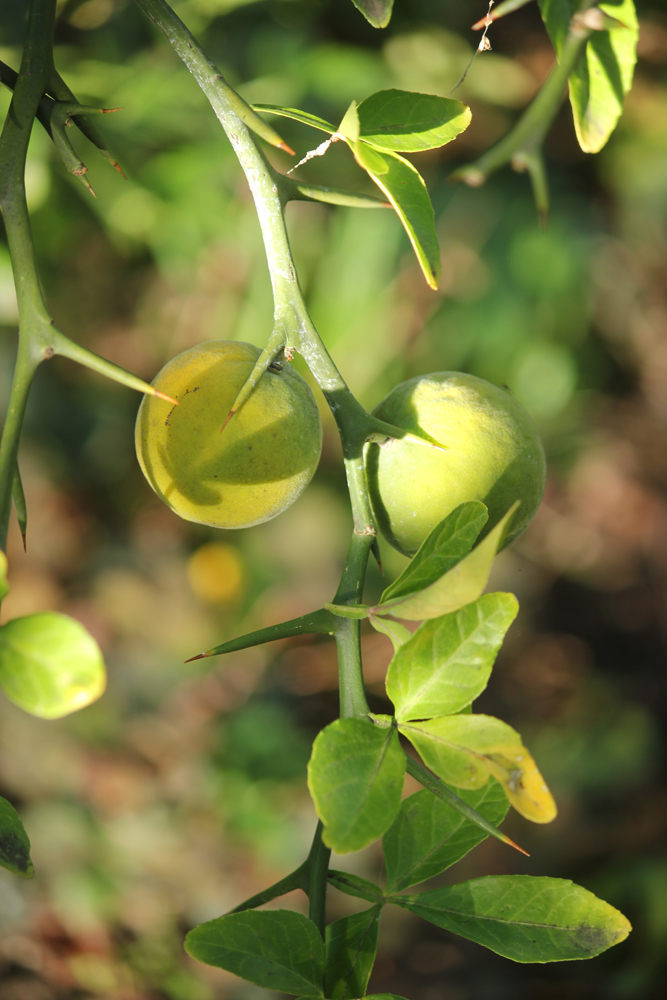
(254, 468)
(493, 454)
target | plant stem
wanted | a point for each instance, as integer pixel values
(294, 329)
(34, 321)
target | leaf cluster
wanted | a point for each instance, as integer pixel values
(356, 774)
(386, 124)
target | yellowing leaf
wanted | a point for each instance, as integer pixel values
(464, 749)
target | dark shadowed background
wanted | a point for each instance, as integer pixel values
(182, 791)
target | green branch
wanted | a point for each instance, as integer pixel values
(33, 317)
(294, 330)
(522, 146)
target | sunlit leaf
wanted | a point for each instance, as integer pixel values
(603, 74)
(443, 548)
(462, 584)
(377, 12)
(522, 917)
(4, 586)
(50, 665)
(351, 944)
(278, 949)
(355, 776)
(406, 122)
(404, 187)
(398, 633)
(427, 836)
(464, 749)
(349, 126)
(299, 116)
(14, 842)
(447, 662)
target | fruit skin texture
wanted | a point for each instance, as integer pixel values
(249, 472)
(494, 454)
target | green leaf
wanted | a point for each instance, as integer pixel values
(459, 586)
(407, 122)
(603, 74)
(405, 189)
(354, 885)
(427, 836)
(349, 126)
(278, 949)
(522, 917)
(4, 586)
(447, 662)
(355, 776)
(377, 12)
(446, 545)
(332, 196)
(14, 842)
(351, 944)
(398, 633)
(299, 116)
(464, 749)
(50, 665)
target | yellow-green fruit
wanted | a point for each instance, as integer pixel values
(254, 468)
(493, 454)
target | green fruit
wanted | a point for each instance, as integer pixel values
(493, 454)
(254, 468)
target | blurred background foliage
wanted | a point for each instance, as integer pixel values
(182, 791)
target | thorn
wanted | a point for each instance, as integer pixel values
(286, 148)
(110, 111)
(229, 417)
(119, 169)
(24, 541)
(375, 549)
(163, 395)
(200, 656)
(516, 847)
(87, 183)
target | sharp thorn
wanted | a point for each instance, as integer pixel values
(286, 148)
(375, 549)
(200, 656)
(229, 417)
(23, 536)
(110, 111)
(516, 847)
(163, 395)
(120, 170)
